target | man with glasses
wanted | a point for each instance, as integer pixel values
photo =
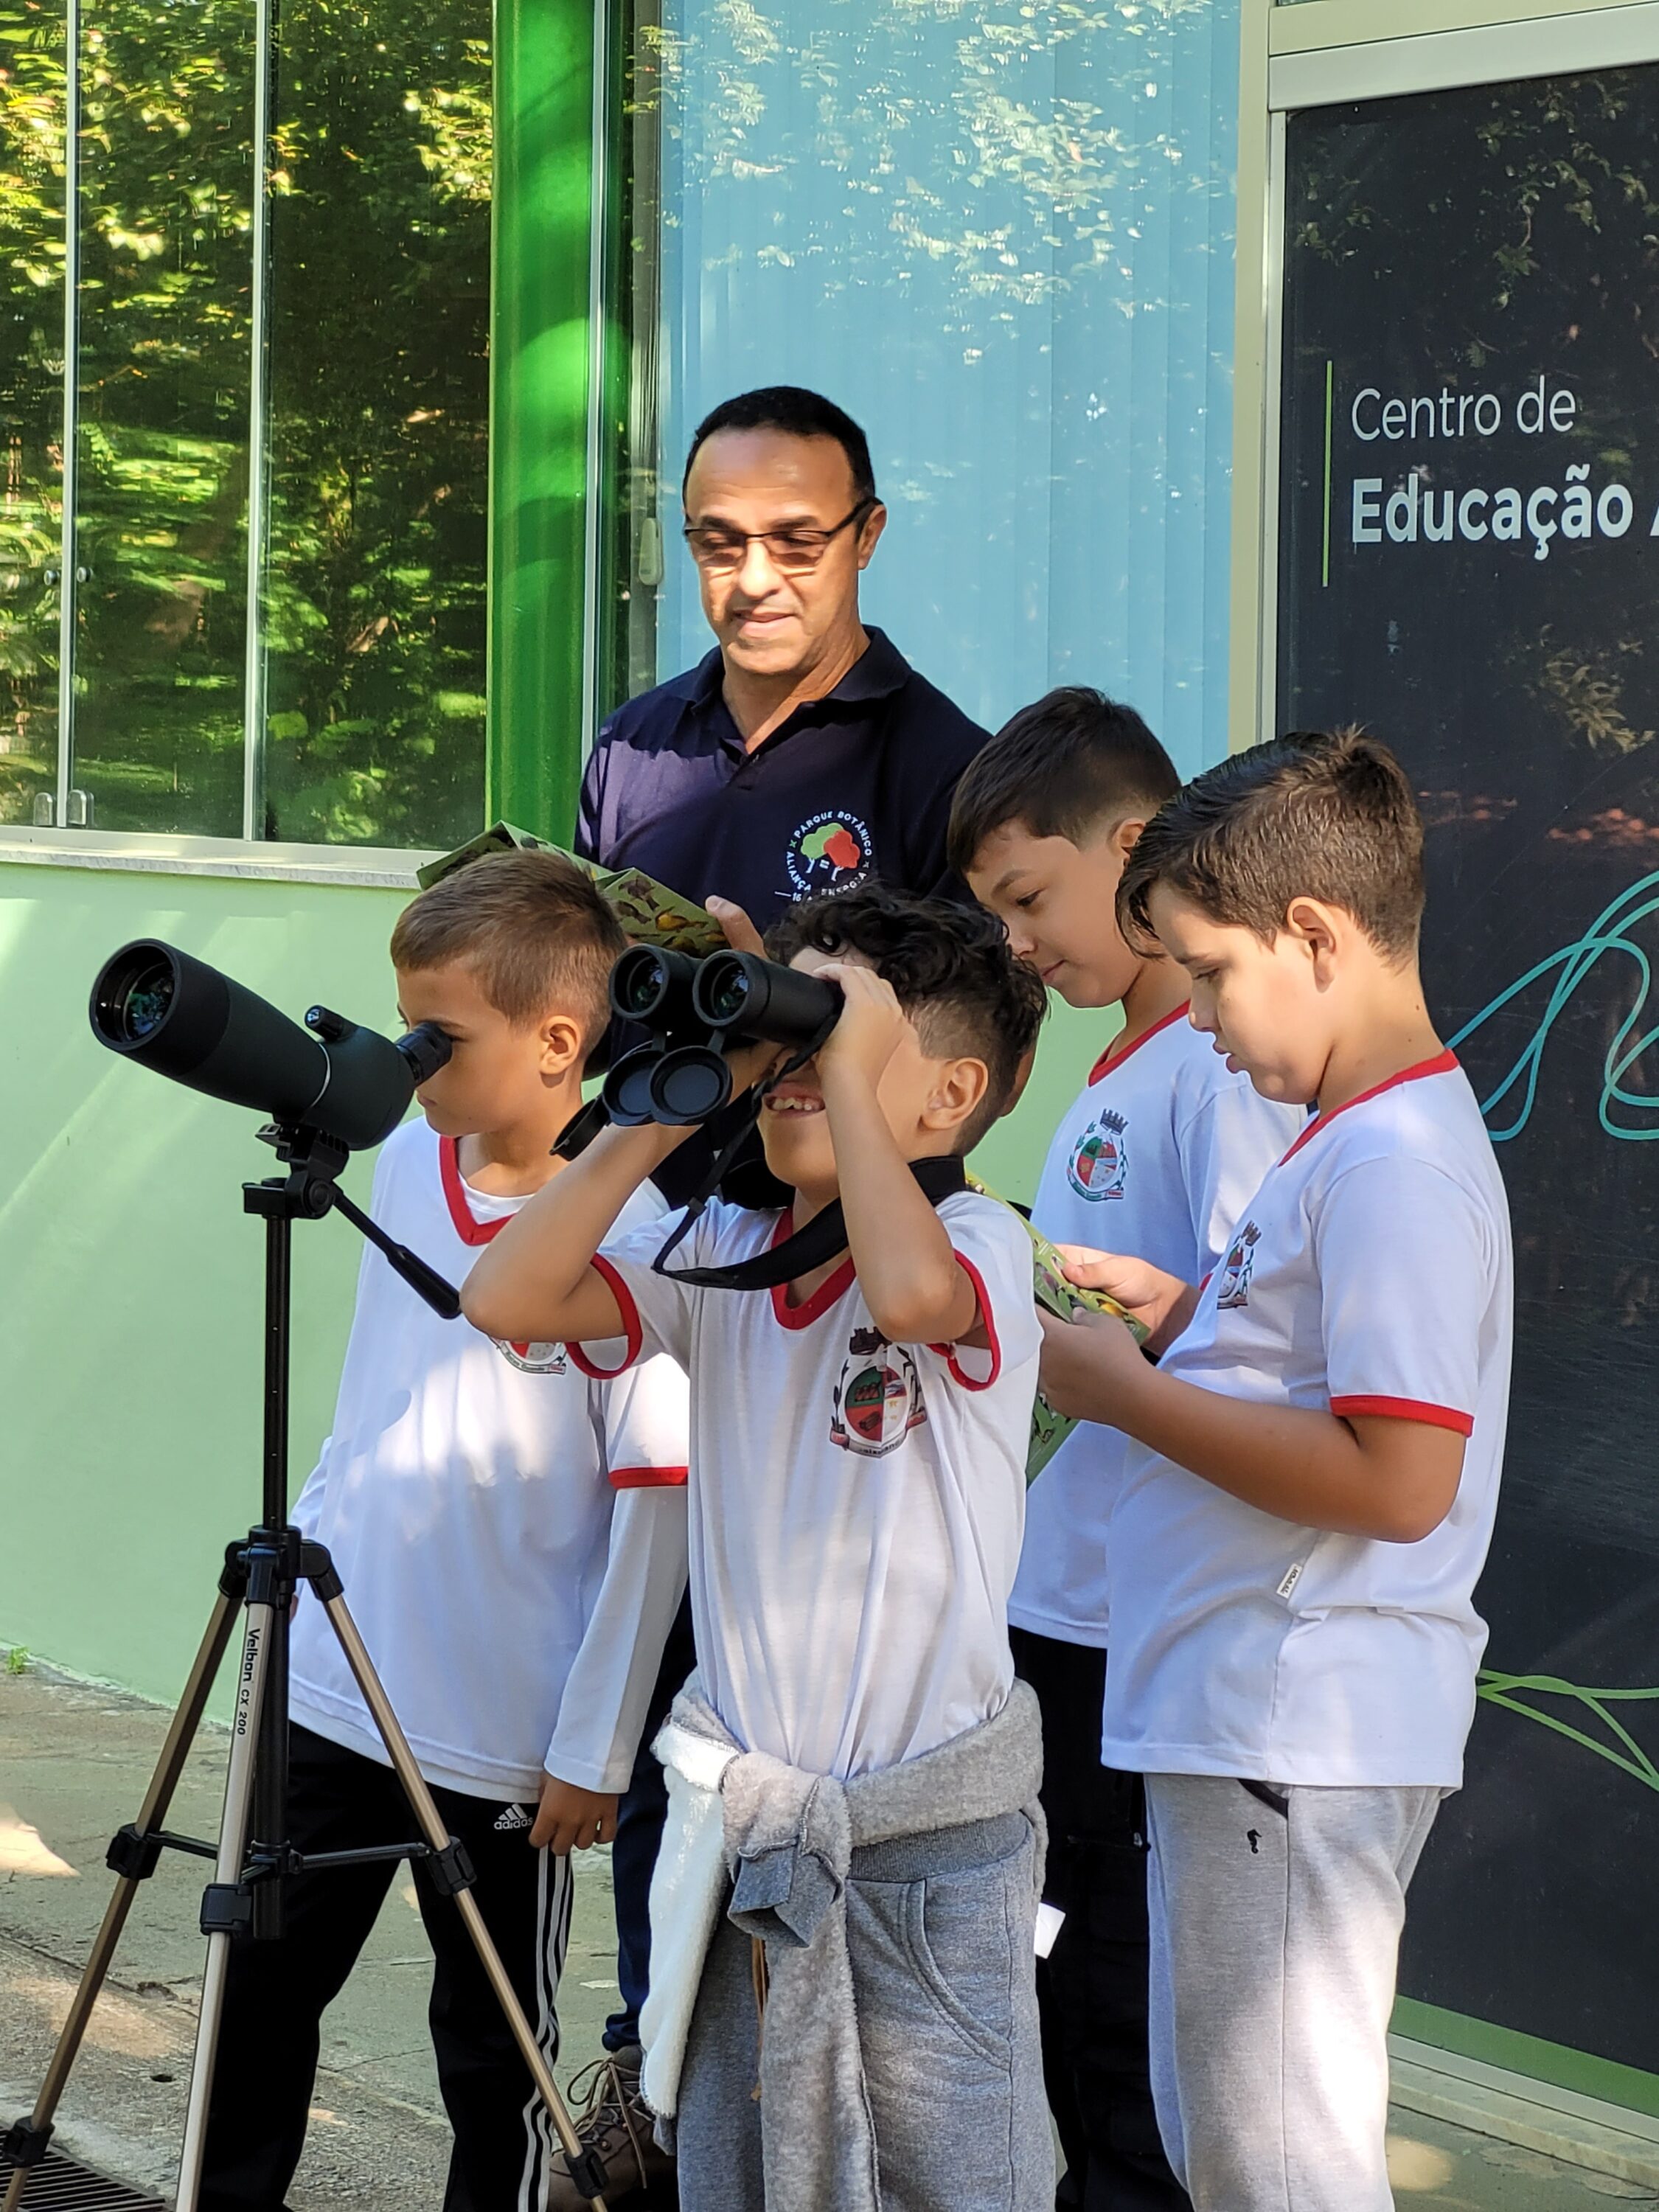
(804, 754)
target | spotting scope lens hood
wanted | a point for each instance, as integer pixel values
(169, 1011)
(754, 998)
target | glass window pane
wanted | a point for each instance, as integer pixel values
(31, 399)
(1002, 238)
(380, 410)
(166, 177)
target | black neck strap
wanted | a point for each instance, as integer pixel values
(824, 1239)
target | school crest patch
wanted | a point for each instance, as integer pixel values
(878, 1399)
(1234, 1289)
(1100, 1158)
(533, 1358)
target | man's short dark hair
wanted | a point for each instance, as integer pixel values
(1064, 766)
(799, 414)
(533, 929)
(1321, 814)
(950, 969)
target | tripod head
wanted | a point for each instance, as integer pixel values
(311, 1189)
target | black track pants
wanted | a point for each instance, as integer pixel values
(1092, 1987)
(278, 1992)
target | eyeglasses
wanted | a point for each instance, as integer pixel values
(792, 552)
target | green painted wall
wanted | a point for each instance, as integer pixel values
(130, 1281)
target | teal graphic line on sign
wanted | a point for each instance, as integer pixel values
(1509, 1693)
(1575, 962)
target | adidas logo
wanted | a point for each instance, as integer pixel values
(514, 1817)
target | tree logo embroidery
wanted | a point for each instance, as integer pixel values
(829, 852)
(1100, 1158)
(533, 1358)
(878, 1400)
(1238, 1267)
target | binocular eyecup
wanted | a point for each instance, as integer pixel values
(693, 1010)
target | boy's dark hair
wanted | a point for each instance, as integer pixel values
(1061, 766)
(799, 414)
(950, 969)
(532, 928)
(1321, 814)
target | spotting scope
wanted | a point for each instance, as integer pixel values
(166, 1010)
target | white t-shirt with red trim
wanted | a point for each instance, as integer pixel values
(1370, 1274)
(1158, 1156)
(510, 1533)
(856, 1505)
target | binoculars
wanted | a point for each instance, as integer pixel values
(692, 1011)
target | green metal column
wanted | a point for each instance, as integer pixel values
(540, 290)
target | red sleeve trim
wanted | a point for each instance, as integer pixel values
(630, 1317)
(649, 1478)
(1405, 1409)
(948, 1351)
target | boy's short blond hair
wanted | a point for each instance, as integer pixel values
(532, 928)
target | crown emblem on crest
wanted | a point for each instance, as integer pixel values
(1113, 1121)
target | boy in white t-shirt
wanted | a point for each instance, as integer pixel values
(1298, 1531)
(858, 1752)
(512, 1538)
(1156, 1157)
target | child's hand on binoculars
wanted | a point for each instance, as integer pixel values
(741, 933)
(872, 1026)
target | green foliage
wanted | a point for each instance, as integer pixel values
(373, 589)
(17, 1660)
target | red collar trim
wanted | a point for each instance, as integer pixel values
(468, 1227)
(829, 1292)
(1115, 1056)
(1443, 1063)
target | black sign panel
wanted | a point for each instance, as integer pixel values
(1470, 565)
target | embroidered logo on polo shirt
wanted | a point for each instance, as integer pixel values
(878, 1399)
(534, 1358)
(1100, 1158)
(829, 852)
(1238, 1267)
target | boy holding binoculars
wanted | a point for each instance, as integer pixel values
(854, 1745)
(514, 1536)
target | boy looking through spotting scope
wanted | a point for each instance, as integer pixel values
(854, 1744)
(514, 1536)
(1308, 1494)
(1156, 1157)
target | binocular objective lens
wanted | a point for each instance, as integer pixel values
(640, 984)
(728, 998)
(142, 1006)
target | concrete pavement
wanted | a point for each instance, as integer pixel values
(74, 1761)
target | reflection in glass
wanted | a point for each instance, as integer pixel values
(1002, 237)
(31, 399)
(165, 178)
(379, 324)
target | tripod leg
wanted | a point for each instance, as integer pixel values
(181, 1734)
(228, 1871)
(437, 1836)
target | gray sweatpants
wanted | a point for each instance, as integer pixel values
(940, 1934)
(1276, 1914)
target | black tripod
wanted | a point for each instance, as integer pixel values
(262, 1572)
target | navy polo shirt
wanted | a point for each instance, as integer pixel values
(855, 785)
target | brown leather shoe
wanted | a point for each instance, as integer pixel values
(615, 2125)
